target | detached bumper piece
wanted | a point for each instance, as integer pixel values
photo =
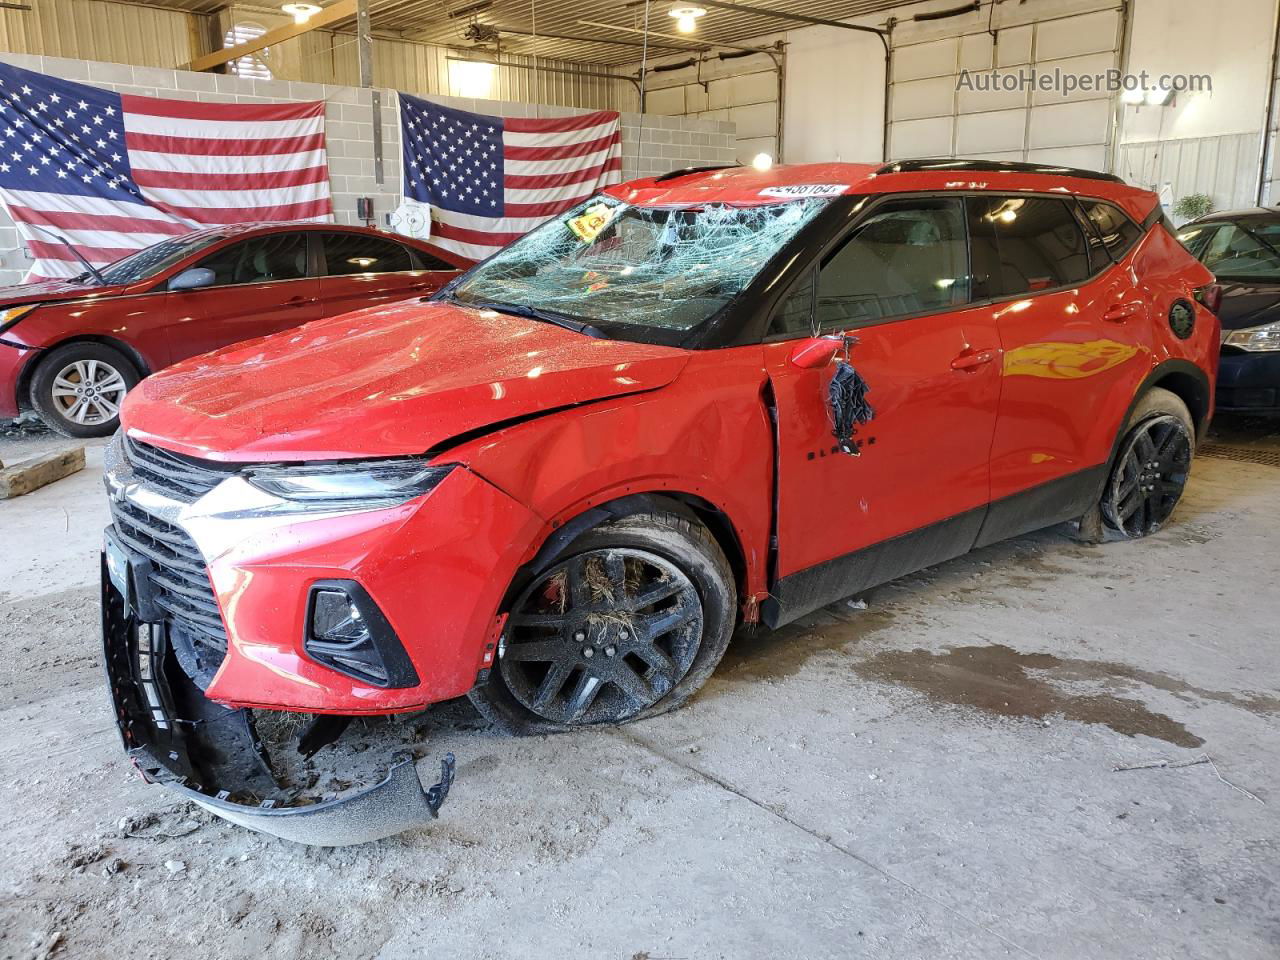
(211, 754)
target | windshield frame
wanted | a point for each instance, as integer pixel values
(707, 332)
(212, 238)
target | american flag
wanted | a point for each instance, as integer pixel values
(490, 179)
(113, 173)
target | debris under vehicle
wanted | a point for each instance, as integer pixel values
(258, 768)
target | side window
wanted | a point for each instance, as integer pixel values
(1038, 244)
(274, 256)
(347, 253)
(1118, 232)
(426, 261)
(794, 316)
(908, 257)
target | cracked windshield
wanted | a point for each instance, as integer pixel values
(656, 269)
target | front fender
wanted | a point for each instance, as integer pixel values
(707, 435)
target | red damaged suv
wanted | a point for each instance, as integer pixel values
(713, 397)
(71, 349)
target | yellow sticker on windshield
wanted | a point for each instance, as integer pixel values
(588, 224)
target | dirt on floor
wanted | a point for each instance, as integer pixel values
(931, 775)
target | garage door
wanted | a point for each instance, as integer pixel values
(932, 117)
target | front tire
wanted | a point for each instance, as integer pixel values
(77, 389)
(1151, 467)
(628, 621)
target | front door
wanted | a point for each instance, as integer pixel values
(261, 286)
(916, 492)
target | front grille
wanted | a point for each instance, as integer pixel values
(183, 478)
(180, 587)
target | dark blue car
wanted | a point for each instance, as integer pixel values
(1242, 248)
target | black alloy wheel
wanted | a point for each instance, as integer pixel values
(601, 636)
(1149, 477)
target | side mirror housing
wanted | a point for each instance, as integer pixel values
(814, 352)
(192, 279)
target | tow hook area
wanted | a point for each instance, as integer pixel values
(214, 756)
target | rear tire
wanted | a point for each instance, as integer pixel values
(77, 388)
(1151, 467)
(627, 622)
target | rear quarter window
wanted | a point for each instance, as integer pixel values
(1112, 228)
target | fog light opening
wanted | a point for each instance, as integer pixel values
(346, 631)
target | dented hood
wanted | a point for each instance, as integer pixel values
(388, 381)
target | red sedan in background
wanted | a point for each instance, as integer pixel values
(71, 349)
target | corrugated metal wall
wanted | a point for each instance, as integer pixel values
(96, 30)
(1225, 168)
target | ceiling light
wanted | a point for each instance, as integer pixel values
(301, 12)
(687, 18)
(1157, 97)
(762, 161)
(472, 78)
(1132, 96)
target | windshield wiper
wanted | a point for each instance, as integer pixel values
(93, 271)
(536, 313)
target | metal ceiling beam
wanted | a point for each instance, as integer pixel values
(667, 36)
(541, 35)
(342, 10)
(793, 17)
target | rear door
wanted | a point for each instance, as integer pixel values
(361, 270)
(1073, 324)
(261, 285)
(899, 284)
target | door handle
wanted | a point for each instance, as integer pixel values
(1120, 312)
(297, 301)
(972, 359)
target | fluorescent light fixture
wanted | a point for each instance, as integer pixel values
(1157, 97)
(762, 161)
(301, 12)
(687, 17)
(471, 78)
(1132, 96)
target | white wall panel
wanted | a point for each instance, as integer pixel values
(1014, 46)
(1089, 158)
(1075, 36)
(1069, 124)
(923, 98)
(921, 138)
(922, 60)
(987, 132)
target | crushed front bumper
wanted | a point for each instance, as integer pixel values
(211, 755)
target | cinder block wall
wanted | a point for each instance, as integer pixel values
(651, 144)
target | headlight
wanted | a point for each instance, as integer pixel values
(12, 315)
(369, 483)
(1255, 339)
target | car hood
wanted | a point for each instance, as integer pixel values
(387, 381)
(1248, 304)
(51, 291)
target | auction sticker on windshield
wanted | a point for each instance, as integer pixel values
(790, 190)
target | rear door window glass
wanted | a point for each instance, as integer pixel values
(907, 257)
(347, 253)
(1039, 243)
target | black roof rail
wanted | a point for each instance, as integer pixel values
(943, 164)
(685, 171)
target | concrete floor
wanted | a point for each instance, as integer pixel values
(930, 777)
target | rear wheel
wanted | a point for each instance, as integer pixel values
(628, 621)
(77, 389)
(1151, 467)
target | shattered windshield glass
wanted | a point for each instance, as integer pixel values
(619, 266)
